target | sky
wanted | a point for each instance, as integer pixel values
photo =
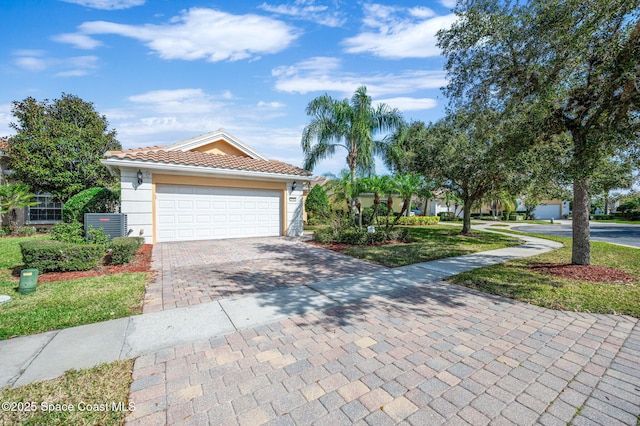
(163, 71)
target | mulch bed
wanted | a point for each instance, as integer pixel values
(591, 273)
(140, 263)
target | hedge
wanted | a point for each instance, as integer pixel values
(123, 249)
(92, 200)
(57, 256)
(412, 220)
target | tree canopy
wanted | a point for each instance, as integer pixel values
(463, 154)
(564, 72)
(348, 124)
(58, 145)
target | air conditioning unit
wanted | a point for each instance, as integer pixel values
(113, 224)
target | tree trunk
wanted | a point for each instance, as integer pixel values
(606, 203)
(466, 217)
(581, 251)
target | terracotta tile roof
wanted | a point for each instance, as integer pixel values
(203, 159)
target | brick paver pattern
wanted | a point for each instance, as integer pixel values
(437, 354)
(189, 273)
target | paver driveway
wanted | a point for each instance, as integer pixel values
(431, 354)
(194, 272)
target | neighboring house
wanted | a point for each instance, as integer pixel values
(210, 187)
(366, 200)
(547, 209)
(45, 214)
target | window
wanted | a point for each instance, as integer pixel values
(46, 211)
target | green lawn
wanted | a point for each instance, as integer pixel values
(63, 304)
(106, 384)
(431, 242)
(516, 281)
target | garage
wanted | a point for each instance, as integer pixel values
(547, 211)
(186, 213)
(212, 186)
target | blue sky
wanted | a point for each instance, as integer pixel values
(163, 71)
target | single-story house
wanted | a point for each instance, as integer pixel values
(212, 186)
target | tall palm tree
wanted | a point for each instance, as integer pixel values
(349, 124)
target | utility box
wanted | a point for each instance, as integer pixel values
(113, 224)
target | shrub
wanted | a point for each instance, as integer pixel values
(68, 232)
(123, 249)
(27, 231)
(317, 203)
(399, 234)
(323, 235)
(603, 217)
(5, 230)
(92, 200)
(352, 236)
(57, 256)
(97, 236)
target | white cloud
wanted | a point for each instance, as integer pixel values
(324, 75)
(207, 34)
(270, 105)
(408, 104)
(107, 4)
(179, 101)
(399, 33)
(36, 61)
(80, 41)
(307, 10)
(5, 118)
(448, 3)
(31, 63)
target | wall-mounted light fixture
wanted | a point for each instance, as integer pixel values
(293, 186)
(139, 175)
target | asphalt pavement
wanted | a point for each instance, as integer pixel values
(628, 235)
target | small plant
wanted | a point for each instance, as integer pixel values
(67, 232)
(26, 231)
(97, 236)
(5, 230)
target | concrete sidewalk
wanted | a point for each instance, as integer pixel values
(48, 355)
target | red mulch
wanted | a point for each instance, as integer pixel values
(140, 263)
(592, 273)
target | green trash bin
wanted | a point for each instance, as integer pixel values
(28, 281)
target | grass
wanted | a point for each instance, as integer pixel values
(429, 243)
(516, 281)
(106, 385)
(63, 304)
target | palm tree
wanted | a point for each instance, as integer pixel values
(348, 124)
(407, 186)
(375, 185)
(13, 197)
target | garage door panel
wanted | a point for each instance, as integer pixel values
(193, 213)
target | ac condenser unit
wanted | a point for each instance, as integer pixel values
(113, 224)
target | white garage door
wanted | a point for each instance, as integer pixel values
(201, 213)
(551, 211)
